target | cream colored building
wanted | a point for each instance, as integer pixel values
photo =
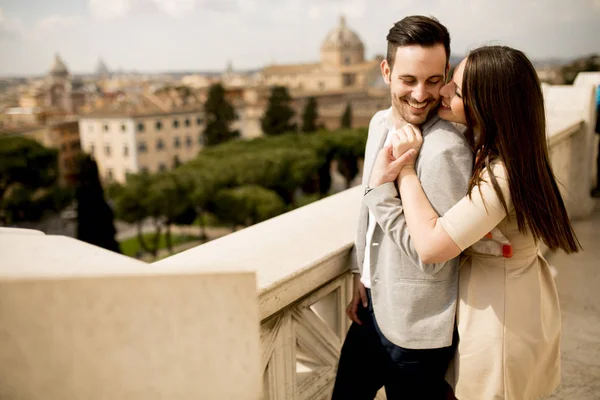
(141, 136)
(58, 92)
(342, 76)
(342, 66)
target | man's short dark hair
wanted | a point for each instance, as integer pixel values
(416, 30)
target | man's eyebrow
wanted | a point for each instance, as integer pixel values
(415, 78)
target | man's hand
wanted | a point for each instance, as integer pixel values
(387, 167)
(405, 139)
(359, 295)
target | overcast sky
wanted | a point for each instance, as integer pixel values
(175, 35)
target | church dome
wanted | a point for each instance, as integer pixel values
(342, 38)
(59, 69)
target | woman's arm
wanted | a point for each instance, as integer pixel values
(440, 238)
(431, 241)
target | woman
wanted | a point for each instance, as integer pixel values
(508, 315)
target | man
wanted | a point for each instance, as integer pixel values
(403, 311)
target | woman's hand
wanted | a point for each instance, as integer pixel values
(409, 137)
(387, 167)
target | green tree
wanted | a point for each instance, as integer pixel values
(346, 122)
(310, 115)
(278, 117)
(28, 179)
(350, 147)
(198, 185)
(170, 198)
(247, 205)
(134, 205)
(219, 115)
(95, 219)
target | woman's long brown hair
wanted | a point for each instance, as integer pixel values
(504, 108)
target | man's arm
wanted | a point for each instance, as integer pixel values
(444, 176)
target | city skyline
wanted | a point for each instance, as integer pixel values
(205, 35)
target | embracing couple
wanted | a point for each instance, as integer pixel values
(450, 288)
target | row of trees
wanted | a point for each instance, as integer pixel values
(240, 182)
(277, 120)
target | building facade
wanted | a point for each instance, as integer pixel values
(59, 91)
(122, 144)
(342, 66)
(342, 77)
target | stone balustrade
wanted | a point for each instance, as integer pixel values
(301, 260)
(259, 313)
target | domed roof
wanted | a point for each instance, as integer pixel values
(59, 68)
(342, 38)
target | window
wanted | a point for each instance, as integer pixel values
(140, 127)
(125, 151)
(187, 122)
(158, 125)
(347, 60)
(176, 124)
(75, 146)
(110, 174)
(92, 149)
(142, 147)
(162, 167)
(144, 170)
(201, 140)
(188, 141)
(349, 79)
(177, 143)
(322, 85)
(123, 128)
(105, 127)
(107, 150)
(63, 147)
(160, 144)
(199, 121)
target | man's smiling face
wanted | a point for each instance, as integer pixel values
(415, 80)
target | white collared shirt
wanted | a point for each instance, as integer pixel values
(365, 277)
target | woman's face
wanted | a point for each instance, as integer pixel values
(452, 107)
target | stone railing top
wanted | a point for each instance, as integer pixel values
(20, 231)
(28, 254)
(292, 254)
(561, 128)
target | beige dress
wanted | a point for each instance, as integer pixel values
(508, 314)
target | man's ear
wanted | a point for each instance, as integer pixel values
(386, 71)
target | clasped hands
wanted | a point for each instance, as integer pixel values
(400, 153)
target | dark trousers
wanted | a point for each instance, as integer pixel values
(369, 361)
